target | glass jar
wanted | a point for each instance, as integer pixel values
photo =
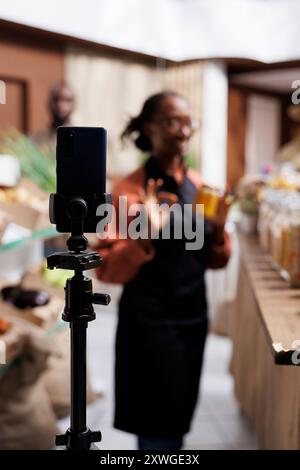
(209, 196)
(262, 224)
(274, 228)
(267, 211)
(286, 230)
(276, 237)
(293, 257)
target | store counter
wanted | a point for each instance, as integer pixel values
(265, 329)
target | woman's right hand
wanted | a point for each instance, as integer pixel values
(152, 198)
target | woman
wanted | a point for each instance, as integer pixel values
(162, 323)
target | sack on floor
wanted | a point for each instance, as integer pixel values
(27, 420)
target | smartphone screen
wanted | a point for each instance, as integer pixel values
(81, 173)
(81, 161)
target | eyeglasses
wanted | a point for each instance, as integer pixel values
(174, 124)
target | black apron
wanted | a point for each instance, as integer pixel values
(161, 333)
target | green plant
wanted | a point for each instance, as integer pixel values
(190, 161)
(248, 204)
(35, 163)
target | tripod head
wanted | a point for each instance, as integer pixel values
(77, 211)
(76, 259)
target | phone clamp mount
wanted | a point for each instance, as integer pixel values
(78, 311)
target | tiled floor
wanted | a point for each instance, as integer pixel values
(217, 423)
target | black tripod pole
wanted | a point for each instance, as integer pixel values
(79, 310)
(78, 377)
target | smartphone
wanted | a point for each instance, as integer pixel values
(80, 172)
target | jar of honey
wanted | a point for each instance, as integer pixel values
(209, 197)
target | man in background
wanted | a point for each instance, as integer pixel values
(61, 105)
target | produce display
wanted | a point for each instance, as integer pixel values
(10, 171)
(248, 192)
(19, 195)
(4, 326)
(4, 220)
(23, 206)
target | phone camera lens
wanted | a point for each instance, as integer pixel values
(67, 143)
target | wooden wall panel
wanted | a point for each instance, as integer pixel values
(35, 64)
(13, 113)
(236, 135)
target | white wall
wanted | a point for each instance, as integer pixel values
(108, 92)
(214, 156)
(262, 133)
(214, 124)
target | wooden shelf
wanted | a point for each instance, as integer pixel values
(278, 303)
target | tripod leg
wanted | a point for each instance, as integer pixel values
(78, 377)
(78, 312)
(78, 436)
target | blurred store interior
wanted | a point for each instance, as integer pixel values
(239, 66)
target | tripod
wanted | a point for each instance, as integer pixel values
(79, 300)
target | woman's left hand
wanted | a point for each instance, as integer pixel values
(220, 217)
(223, 207)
